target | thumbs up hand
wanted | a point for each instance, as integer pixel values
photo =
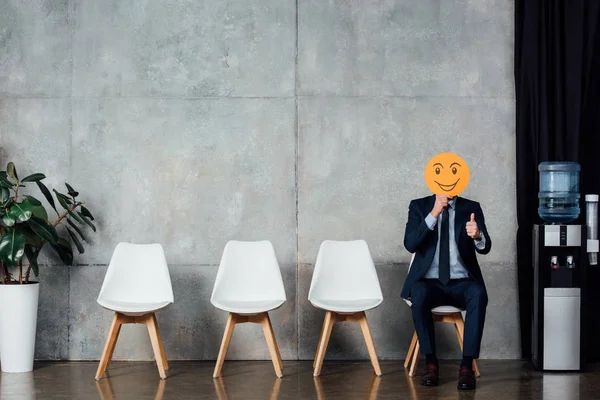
(473, 229)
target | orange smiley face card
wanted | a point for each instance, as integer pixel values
(447, 174)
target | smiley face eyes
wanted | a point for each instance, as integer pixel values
(438, 171)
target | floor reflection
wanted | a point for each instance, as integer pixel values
(249, 380)
(106, 390)
(327, 388)
(221, 391)
(560, 387)
(17, 386)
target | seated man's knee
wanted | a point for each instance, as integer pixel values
(419, 295)
(478, 294)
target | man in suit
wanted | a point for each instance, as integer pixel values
(445, 233)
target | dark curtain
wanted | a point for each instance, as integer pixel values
(557, 89)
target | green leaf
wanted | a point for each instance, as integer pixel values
(8, 220)
(21, 212)
(87, 221)
(77, 229)
(12, 171)
(4, 195)
(64, 196)
(31, 237)
(72, 192)
(62, 199)
(36, 207)
(85, 212)
(43, 230)
(76, 218)
(32, 253)
(6, 183)
(64, 251)
(33, 201)
(12, 247)
(34, 178)
(47, 194)
(40, 212)
(75, 239)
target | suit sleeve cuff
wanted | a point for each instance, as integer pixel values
(431, 221)
(481, 243)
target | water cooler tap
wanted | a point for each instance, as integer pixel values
(554, 262)
(570, 263)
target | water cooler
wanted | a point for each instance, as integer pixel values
(561, 254)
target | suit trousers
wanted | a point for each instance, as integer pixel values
(466, 294)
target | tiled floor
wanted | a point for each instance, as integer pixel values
(256, 380)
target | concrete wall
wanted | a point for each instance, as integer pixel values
(190, 123)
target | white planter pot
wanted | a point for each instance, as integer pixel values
(18, 322)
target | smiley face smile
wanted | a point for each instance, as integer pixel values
(447, 188)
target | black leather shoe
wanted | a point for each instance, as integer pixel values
(466, 379)
(431, 376)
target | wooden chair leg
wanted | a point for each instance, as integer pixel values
(153, 332)
(415, 360)
(163, 354)
(459, 325)
(112, 350)
(319, 342)
(327, 328)
(411, 349)
(275, 341)
(364, 325)
(272, 344)
(231, 321)
(109, 347)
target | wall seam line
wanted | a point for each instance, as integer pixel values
(297, 146)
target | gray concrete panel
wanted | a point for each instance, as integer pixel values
(190, 175)
(184, 49)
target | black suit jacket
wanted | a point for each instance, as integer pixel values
(422, 241)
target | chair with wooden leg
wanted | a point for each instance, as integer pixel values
(345, 285)
(137, 285)
(248, 286)
(447, 314)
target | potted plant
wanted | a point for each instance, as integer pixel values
(24, 230)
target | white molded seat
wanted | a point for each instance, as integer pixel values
(345, 279)
(346, 305)
(132, 307)
(248, 286)
(136, 285)
(444, 310)
(137, 281)
(247, 307)
(345, 285)
(249, 279)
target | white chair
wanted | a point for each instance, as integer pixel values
(248, 286)
(448, 314)
(345, 285)
(137, 285)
